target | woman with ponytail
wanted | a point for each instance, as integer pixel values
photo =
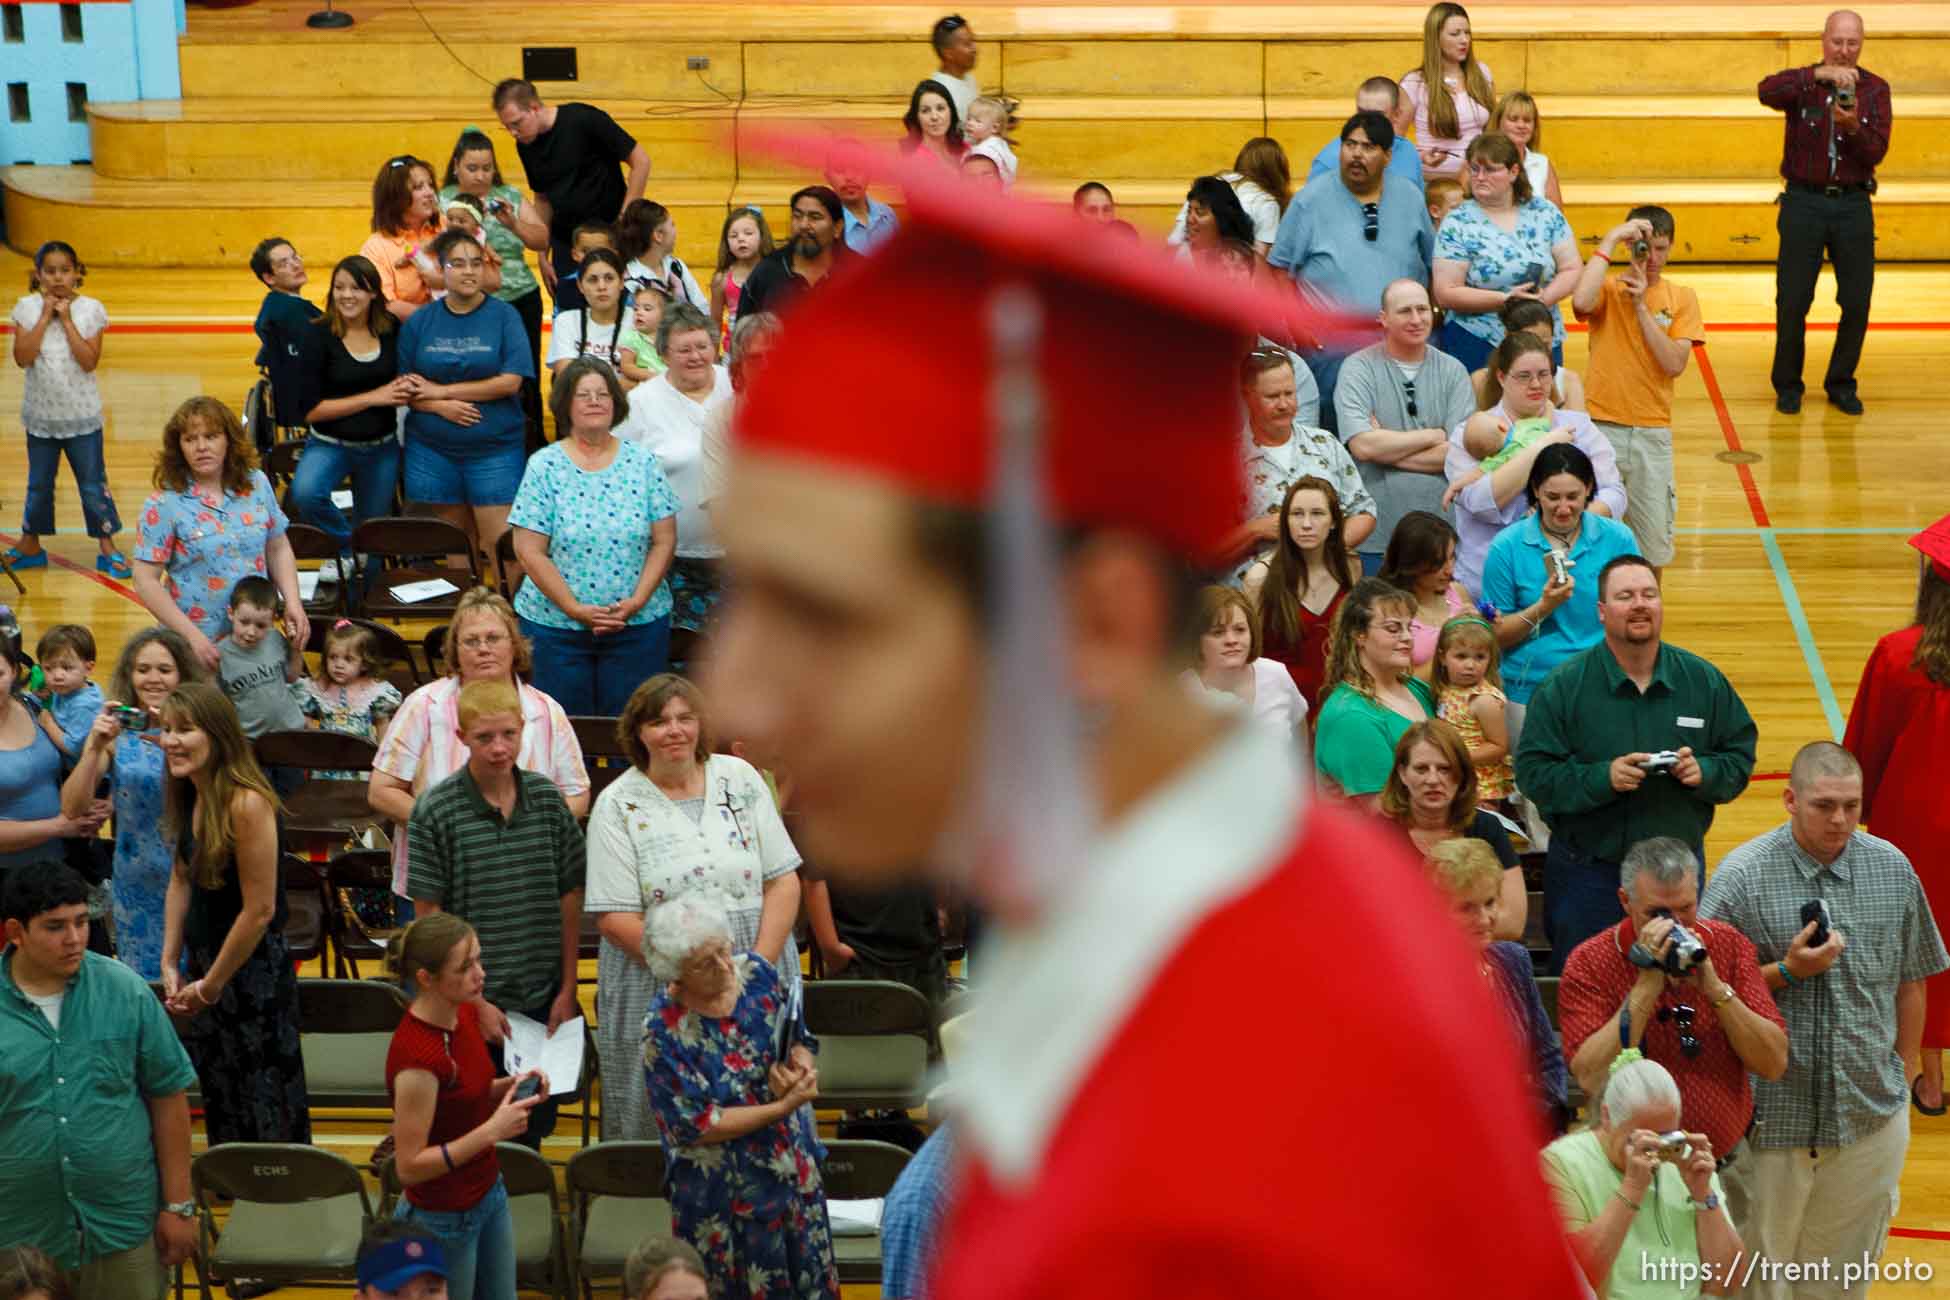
(1899, 730)
(449, 1110)
(1641, 1202)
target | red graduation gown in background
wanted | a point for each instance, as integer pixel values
(1899, 731)
(1305, 1090)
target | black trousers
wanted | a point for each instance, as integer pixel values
(1844, 228)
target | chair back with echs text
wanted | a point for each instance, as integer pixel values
(346, 1029)
(873, 1037)
(296, 1214)
(616, 1199)
(411, 549)
(860, 1171)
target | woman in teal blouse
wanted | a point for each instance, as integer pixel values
(1373, 695)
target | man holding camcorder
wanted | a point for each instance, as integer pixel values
(1687, 993)
(1846, 940)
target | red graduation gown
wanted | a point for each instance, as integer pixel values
(1312, 1095)
(1899, 731)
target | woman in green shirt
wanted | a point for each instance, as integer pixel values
(1373, 695)
(1644, 1218)
(513, 227)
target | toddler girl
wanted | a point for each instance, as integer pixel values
(352, 700)
(991, 117)
(58, 342)
(743, 240)
(1469, 697)
(640, 359)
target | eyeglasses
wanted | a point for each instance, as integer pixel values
(1682, 1016)
(1487, 169)
(483, 640)
(1408, 393)
(1371, 219)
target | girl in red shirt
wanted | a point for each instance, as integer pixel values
(449, 1110)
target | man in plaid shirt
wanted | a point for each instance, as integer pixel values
(1828, 1147)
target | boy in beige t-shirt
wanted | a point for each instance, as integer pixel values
(1643, 328)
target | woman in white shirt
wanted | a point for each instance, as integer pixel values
(1230, 673)
(1516, 116)
(1263, 180)
(682, 820)
(646, 236)
(668, 415)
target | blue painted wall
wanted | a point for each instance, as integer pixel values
(127, 51)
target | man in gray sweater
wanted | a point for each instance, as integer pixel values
(1396, 401)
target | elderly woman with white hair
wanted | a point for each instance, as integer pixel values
(1639, 1195)
(731, 1078)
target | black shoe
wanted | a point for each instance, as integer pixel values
(1788, 403)
(1846, 403)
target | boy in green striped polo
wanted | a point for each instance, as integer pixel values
(497, 846)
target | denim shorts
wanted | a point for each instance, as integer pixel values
(485, 478)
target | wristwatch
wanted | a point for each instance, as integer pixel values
(181, 1209)
(1712, 1202)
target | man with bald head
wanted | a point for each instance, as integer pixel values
(1836, 131)
(1830, 1135)
(1395, 402)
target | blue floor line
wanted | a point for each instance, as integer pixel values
(1831, 708)
(1752, 530)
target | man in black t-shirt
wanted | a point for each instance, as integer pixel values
(879, 934)
(571, 153)
(802, 262)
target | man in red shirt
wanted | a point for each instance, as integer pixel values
(1836, 130)
(1037, 433)
(1708, 1033)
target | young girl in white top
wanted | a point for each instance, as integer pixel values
(58, 342)
(990, 117)
(1516, 116)
(646, 236)
(602, 329)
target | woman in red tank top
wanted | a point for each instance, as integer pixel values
(449, 1110)
(1298, 589)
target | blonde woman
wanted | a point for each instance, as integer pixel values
(1516, 116)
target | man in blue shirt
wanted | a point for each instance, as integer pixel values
(1346, 237)
(868, 223)
(911, 1218)
(94, 1116)
(1378, 95)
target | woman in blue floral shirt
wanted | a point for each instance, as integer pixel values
(595, 527)
(1502, 242)
(213, 519)
(735, 1118)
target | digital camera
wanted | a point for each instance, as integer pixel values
(1674, 1147)
(1663, 761)
(131, 717)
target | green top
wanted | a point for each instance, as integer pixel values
(517, 281)
(75, 1140)
(1522, 434)
(1664, 1234)
(1354, 739)
(504, 878)
(1587, 712)
(644, 351)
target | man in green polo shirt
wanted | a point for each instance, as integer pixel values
(1627, 740)
(497, 846)
(94, 1113)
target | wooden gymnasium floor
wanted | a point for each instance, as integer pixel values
(1791, 560)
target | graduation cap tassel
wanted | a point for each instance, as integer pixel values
(1036, 808)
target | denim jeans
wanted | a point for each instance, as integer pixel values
(373, 468)
(592, 676)
(479, 1244)
(90, 475)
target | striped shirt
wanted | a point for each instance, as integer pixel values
(504, 877)
(1844, 1079)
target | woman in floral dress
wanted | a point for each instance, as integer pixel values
(735, 1113)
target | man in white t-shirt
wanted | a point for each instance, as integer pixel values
(954, 44)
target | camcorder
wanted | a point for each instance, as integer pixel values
(1683, 952)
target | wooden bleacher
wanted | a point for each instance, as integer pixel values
(281, 128)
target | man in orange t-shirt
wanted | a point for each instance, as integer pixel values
(1643, 328)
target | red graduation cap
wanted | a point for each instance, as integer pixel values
(1934, 542)
(889, 368)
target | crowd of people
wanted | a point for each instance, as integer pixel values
(1437, 594)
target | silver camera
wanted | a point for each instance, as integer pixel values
(1560, 565)
(1674, 1146)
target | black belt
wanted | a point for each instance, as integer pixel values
(1834, 191)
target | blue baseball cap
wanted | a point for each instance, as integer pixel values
(396, 1263)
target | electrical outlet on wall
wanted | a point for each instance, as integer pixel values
(697, 62)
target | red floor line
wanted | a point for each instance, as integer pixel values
(61, 562)
(1768, 776)
(1746, 472)
(1920, 1234)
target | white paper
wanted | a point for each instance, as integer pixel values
(855, 1218)
(307, 583)
(342, 498)
(558, 1055)
(414, 592)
